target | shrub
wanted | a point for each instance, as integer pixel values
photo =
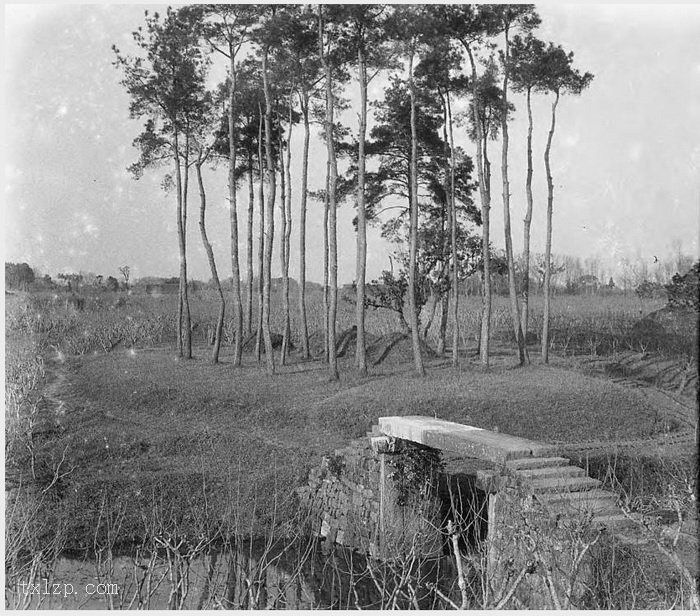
(650, 290)
(683, 290)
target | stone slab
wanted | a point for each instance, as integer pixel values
(579, 500)
(465, 440)
(551, 471)
(563, 484)
(528, 463)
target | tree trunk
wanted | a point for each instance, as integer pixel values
(269, 215)
(413, 228)
(548, 243)
(445, 224)
(432, 302)
(527, 222)
(513, 292)
(249, 280)
(261, 245)
(184, 305)
(331, 195)
(444, 317)
(283, 245)
(361, 262)
(485, 194)
(210, 258)
(454, 286)
(326, 207)
(287, 214)
(181, 251)
(235, 265)
(302, 233)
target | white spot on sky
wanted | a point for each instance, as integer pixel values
(12, 172)
(635, 151)
(571, 140)
(91, 229)
(61, 111)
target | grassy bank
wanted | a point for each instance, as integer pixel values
(138, 425)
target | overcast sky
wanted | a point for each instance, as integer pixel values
(626, 156)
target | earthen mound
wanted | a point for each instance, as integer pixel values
(345, 342)
(249, 343)
(397, 348)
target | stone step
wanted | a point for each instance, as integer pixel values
(613, 519)
(563, 484)
(593, 501)
(551, 471)
(527, 463)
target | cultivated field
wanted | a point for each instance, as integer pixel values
(115, 444)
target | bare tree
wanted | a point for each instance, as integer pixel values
(167, 87)
(267, 29)
(527, 68)
(202, 155)
(227, 29)
(261, 234)
(323, 43)
(561, 77)
(511, 16)
(302, 49)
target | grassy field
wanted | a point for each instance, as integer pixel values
(127, 439)
(579, 323)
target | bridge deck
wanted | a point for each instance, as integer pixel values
(461, 439)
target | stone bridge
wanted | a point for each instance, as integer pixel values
(533, 466)
(412, 478)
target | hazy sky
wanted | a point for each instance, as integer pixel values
(626, 156)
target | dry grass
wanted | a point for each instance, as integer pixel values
(213, 448)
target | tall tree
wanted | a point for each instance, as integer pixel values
(436, 73)
(472, 25)
(526, 58)
(413, 235)
(249, 99)
(512, 16)
(227, 28)
(301, 46)
(409, 26)
(294, 40)
(285, 154)
(167, 88)
(392, 139)
(267, 39)
(364, 37)
(330, 58)
(261, 234)
(560, 77)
